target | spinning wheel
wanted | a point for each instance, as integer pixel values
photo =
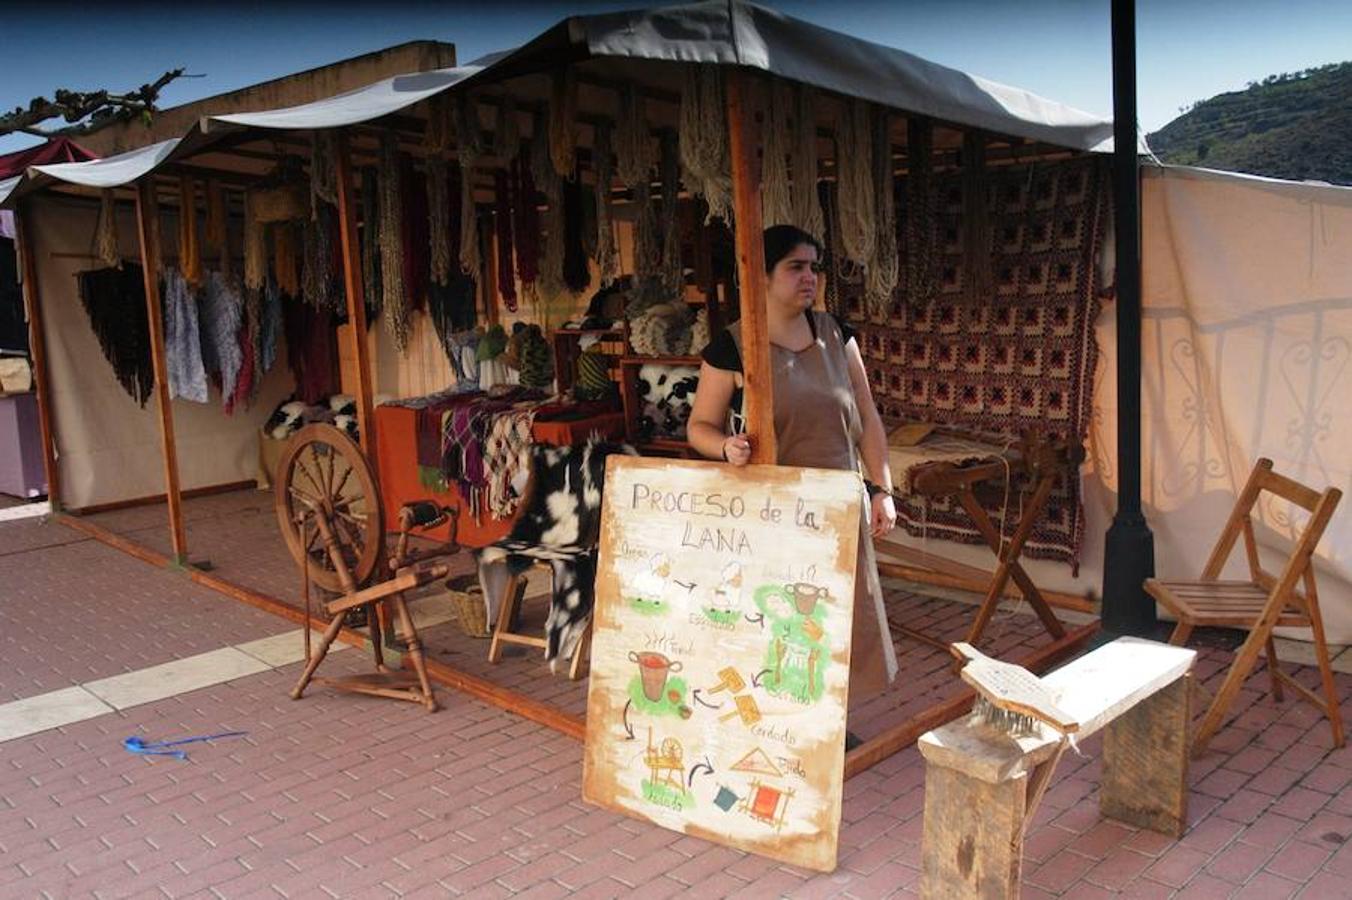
(324, 484)
(329, 511)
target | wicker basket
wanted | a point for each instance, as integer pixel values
(470, 611)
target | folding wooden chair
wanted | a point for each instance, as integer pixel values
(1260, 604)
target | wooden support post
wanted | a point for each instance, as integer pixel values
(37, 345)
(356, 300)
(148, 229)
(1145, 762)
(973, 838)
(756, 374)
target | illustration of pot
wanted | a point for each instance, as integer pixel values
(805, 596)
(653, 669)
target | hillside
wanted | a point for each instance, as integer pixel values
(1296, 126)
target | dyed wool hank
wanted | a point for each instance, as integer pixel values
(182, 340)
(115, 302)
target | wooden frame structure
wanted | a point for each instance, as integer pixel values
(745, 178)
(1045, 463)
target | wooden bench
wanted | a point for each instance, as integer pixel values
(982, 786)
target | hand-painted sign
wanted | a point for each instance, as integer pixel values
(721, 652)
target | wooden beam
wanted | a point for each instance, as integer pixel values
(756, 373)
(356, 299)
(152, 499)
(148, 230)
(37, 345)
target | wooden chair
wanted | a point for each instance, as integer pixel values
(1260, 604)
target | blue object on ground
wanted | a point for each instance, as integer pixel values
(135, 744)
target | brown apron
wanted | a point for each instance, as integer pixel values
(817, 425)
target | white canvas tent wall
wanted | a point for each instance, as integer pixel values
(1247, 352)
(108, 447)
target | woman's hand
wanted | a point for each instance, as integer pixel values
(737, 449)
(884, 517)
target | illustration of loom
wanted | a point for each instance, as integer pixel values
(767, 804)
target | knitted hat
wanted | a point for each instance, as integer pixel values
(593, 375)
(534, 358)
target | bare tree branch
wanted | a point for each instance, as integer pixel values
(85, 110)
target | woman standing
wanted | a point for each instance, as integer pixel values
(824, 418)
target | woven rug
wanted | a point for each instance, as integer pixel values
(1021, 361)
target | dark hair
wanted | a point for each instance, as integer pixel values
(780, 241)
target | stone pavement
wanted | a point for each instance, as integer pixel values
(353, 797)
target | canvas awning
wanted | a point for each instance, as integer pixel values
(718, 32)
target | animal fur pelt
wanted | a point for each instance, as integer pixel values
(560, 523)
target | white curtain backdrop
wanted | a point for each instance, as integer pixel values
(1247, 334)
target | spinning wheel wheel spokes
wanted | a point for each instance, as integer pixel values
(322, 474)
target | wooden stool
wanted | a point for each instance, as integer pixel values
(982, 786)
(508, 609)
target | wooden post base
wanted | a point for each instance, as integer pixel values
(1145, 762)
(973, 839)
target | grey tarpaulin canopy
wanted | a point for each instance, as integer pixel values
(721, 32)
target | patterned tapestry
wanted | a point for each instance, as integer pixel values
(1019, 361)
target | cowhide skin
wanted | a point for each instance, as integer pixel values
(559, 523)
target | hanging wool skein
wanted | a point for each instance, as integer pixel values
(507, 133)
(436, 144)
(563, 122)
(647, 243)
(704, 139)
(607, 257)
(318, 280)
(285, 253)
(880, 280)
(323, 170)
(502, 221)
(634, 156)
(776, 203)
(370, 242)
(857, 216)
(105, 232)
(919, 210)
(671, 275)
(189, 251)
(255, 250)
(551, 185)
(470, 145)
(216, 237)
(525, 225)
(976, 221)
(807, 209)
(391, 244)
(576, 272)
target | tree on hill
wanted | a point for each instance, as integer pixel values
(1295, 125)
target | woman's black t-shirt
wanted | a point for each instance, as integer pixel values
(721, 353)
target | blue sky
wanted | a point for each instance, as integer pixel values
(1187, 49)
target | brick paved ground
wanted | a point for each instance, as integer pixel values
(355, 797)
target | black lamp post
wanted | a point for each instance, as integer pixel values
(1129, 550)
